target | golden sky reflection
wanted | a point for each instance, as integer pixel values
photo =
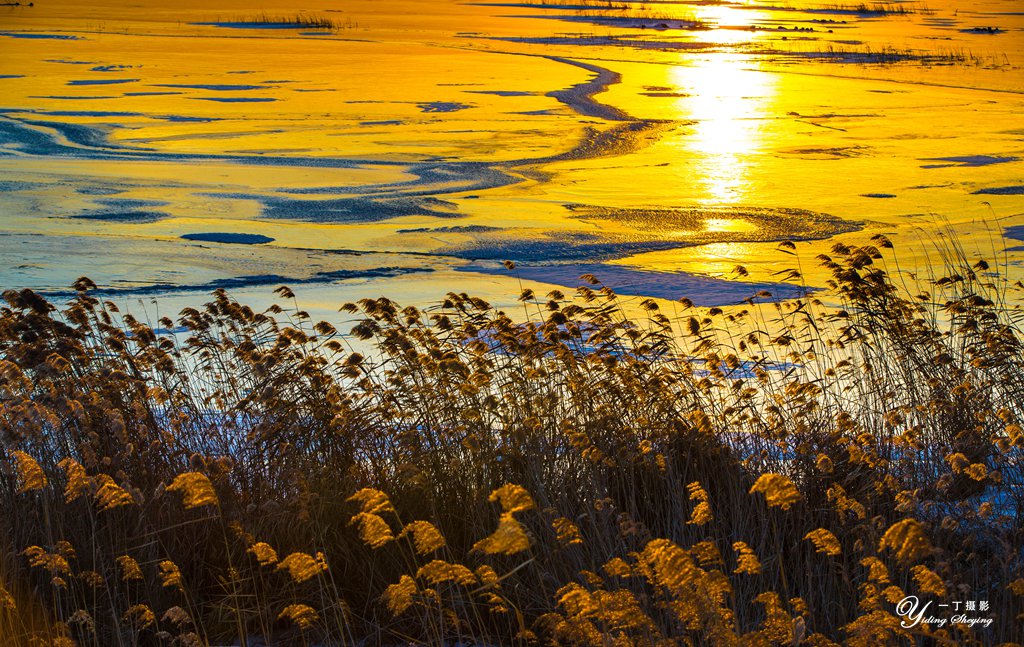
(734, 99)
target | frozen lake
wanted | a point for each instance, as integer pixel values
(408, 148)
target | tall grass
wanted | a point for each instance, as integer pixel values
(298, 21)
(611, 5)
(877, 9)
(889, 55)
(574, 474)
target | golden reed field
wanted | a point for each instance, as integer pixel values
(586, 476)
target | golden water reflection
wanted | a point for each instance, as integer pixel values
(729, 100)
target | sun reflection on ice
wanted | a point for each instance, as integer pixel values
(728, 225)
(729, 99)
(730, 24)
(716, 259)
(711, 259)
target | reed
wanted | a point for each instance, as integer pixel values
(582, 472)
(298, 21)
(895, 56)
(876, 9)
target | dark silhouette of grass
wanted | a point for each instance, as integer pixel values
(298, 21)
(892, 55)
(876, 9)
(581, 474)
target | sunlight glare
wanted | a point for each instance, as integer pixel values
(730, 25)
(728, 99)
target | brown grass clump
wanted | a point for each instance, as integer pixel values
(780, 474)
